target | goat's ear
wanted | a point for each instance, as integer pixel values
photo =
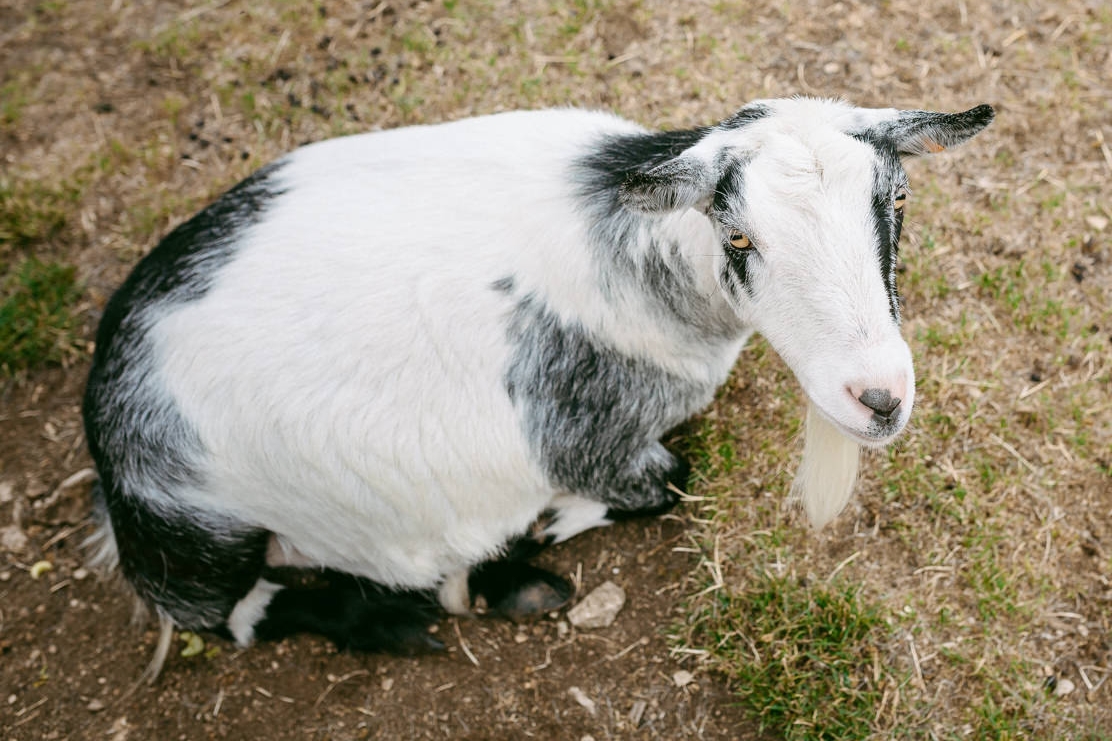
(915, 133)
(681, 182)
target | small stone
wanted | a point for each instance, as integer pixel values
(581, 697)
(599, 608)
(13, 539)
(1097, 223)
(520, 638)
(1063, 688)
(562, 629)
(6, 489)
(881, 70)
(831, 68)
(682, 678)
(95, 706)
(387, 684)
(636, 712)
(80, 574)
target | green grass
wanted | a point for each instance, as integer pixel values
(37, 320)
(31, 212)
(14, 96)
(800, 654)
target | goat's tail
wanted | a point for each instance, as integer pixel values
(824, 482)
(104, 558)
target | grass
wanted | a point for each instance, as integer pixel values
(801, 655)
(37, 320)
(32, 212)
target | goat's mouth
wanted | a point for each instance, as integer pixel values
(876, 431)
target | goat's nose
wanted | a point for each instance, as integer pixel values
(881, 401)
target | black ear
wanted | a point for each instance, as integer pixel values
(916, 133)
(679, 183)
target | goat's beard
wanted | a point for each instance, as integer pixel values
(824, 482)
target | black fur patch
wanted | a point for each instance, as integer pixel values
(727, 196)
(594, 416)
(746, 116)
(356, 614)
(613, 163)
(516, 590)
(888, 177)
(911, 128)
(175, 559)
(616, 232)
(193, 570)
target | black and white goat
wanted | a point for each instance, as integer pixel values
(345, 391)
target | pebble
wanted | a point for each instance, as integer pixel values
(581, 697)
(682, 678)
(599, 608)
(636, 712)
(1063, 688)
(13, 539)
(95, 706)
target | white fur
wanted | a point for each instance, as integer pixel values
(574, 515)
(454, 594)
(103, 553)
(406, 461)
(808, 208)
(250, 610)
(826, 475)
(381, 475)
(161, 650)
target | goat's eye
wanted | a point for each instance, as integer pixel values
(900, 199)
(739, 241)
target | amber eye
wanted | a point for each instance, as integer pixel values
(900, 199)
(739, 241)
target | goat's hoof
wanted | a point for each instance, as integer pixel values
(518, 591)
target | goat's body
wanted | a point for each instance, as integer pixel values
(370, 389)
(383, 357)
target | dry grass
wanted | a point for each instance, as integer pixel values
(982, 541)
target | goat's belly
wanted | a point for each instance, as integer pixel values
(403, 507)
(369, 429)
(364, 533)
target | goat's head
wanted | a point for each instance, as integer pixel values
(807, 199)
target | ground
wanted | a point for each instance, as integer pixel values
(965, 593)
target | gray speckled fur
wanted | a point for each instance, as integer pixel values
(595, 416)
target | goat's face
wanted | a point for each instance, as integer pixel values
(807, 199)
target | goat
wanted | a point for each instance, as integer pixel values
(376, 376)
